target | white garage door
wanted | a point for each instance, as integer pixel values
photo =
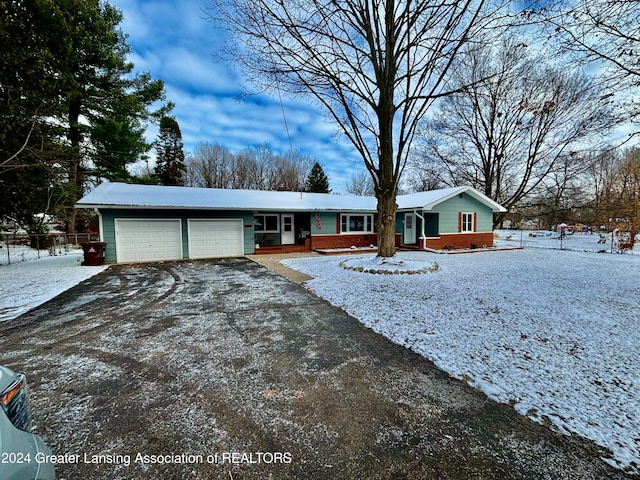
(216, 238)
(143, 240)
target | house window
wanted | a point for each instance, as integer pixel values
(266, 223)
(356, 223)
(467, 222)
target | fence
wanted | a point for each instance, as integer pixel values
(19, 247)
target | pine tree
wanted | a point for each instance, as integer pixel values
(170, 155)
(69, 99)
(317, 181)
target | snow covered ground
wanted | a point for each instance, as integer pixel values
(555, 333)
(546, 239)
(30, 281)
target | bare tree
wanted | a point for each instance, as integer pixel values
(375, 66)
(360, 183)
(289, 172)
(422, 177)
(598, 30)
(562, 196)
(210, 166)
(515, 123)
(259, 168)
(603, 34)
(624, 195)
(600, 176)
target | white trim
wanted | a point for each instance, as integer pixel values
(463, 223)
(287, 238)
(368, 221)
(423, 235)
(409, 233)
(429, 199)
(100, 225)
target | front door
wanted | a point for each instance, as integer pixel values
(288, 233)
(409, 228)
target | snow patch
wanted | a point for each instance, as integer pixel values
(27, 284)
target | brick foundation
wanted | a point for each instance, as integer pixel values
(452, 240)
(320, 242)
(460, 240)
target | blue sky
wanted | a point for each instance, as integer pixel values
(173, 41)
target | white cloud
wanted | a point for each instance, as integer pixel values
(173, 41)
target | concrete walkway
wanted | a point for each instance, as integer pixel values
(272, 262)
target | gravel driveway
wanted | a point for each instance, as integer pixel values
(225, 370)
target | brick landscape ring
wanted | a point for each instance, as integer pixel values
(389, 271)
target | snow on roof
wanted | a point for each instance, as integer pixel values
(428, 200)
(123, 195)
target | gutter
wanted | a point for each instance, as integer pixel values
(424, 235)
(261, 209)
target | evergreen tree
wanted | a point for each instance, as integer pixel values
(170, 155)
(105, 107)
(318, 182)
(68, 98)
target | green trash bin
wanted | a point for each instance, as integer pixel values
(93, 253)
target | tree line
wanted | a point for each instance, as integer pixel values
(491, 94)
(605, 193)
(212, 165)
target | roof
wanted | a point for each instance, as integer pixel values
(123, 195)
(428, 200)
(111, 195)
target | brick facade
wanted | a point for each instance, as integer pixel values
(319, 242)
(460, 240)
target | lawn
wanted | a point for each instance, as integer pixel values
(33, 278)
(555, 333)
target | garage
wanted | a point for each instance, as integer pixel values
(148, 240)
(211, 238)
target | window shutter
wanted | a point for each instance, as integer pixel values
(459, 222)
(475, 221)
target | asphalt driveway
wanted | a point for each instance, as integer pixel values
(225, 370)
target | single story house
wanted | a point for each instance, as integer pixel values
(153, 223)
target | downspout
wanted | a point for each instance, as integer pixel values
(424, 235)
(100, 226)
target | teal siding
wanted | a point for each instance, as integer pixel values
(449, 210)
(109, 229)
(431, 228)
(443, 218)
(109, 236)
(329, 223)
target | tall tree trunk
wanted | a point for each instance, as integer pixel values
(386, 225)
(387, 187)
(75, 180)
